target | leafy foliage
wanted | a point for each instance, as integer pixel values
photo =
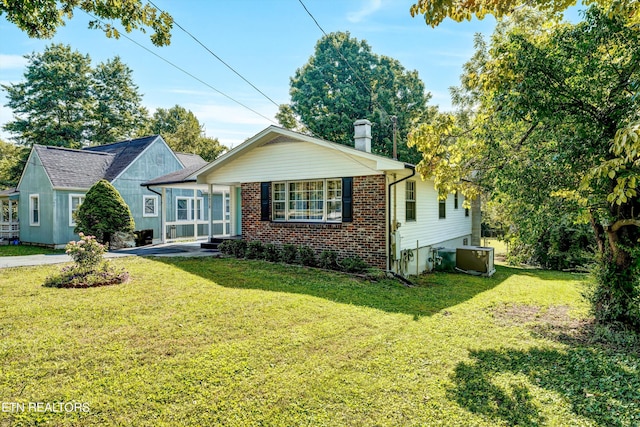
(103, 212)
(345, 81)
(41, 19)
(183, 132)
(65, 102)
(255, 250)
(13, 158)
(307, 256)
(328, 260)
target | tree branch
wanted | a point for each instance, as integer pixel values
(624, 223)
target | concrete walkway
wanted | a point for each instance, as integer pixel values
(190, 249)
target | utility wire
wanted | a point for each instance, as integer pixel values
(188, 73)
(218, 58)
(355, 73)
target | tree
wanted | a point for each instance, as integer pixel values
(435, 11)
(555, 127)
(65, 102)
(50, 107)
(103, 213)
(12, 161)
(344, 81)
(118, 113)
(183, 132)
(41, 19)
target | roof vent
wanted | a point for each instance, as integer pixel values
(362, 135)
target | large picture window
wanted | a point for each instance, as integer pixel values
(313, 201)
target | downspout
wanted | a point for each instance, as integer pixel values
(391, 230)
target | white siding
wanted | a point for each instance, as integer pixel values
(428, 229)
(291, 161)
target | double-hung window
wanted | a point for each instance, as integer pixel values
(149, 206)
(75, 200)
(34, 209)
(307, 201)
(442, 208)
(410, 201)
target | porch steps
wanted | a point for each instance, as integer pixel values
(215, 241)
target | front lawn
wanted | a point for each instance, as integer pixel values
(22, 250)
(196, 341)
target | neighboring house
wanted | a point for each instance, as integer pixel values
(55, 181)
(9, 223)
(291, 188)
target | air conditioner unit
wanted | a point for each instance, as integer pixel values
(476, 260)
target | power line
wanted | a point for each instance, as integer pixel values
(219, 59)
(188, 73)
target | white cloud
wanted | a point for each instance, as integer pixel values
(12, 61)
(370, 7)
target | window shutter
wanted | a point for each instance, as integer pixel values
(347, 199)
(265, 195)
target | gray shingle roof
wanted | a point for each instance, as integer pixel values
(69, 168)
(125, 152)
(188, 160)
(177, 176)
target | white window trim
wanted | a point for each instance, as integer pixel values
(33, 197)
(72, 223)
(191, 209)
(325, 190)
(414, 200)
(155, 206)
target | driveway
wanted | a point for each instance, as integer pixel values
(189, 249)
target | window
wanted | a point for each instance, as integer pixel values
(455, 200)
(34, 209)
(188, 208)
(5, 210)
(319, 200)
(150, 206)
(75, 200)
(410, 201)
(442, 208)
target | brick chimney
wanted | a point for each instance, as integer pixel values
(362, 135)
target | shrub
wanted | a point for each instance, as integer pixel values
(354, 265)
(289, 254)
(89, 269)
(226, 247)
(103, 212)
(271, 253)
(86, 252)
(238, 248)
(329, 260)
(254, 250)
(307, 256)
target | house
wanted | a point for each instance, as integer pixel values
(291, 188)
(9, 224)
(55, 181)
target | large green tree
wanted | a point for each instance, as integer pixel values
(64, 101)
(182, 130)
(555, 125)
(41, 19)
(345, 81)
(118, 112)
(12, 160)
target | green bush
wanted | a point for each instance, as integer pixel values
(103, 213)
(238, 248)
(271, 253)
(354, 265)
(307, 256)
(89, 269)
(254, 250)
(289, 254)
(226, 247)
(329, 260)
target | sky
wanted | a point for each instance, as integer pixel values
(265, 41)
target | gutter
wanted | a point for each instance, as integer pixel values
(390, 231)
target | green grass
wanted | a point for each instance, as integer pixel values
(21, 250)
(196, 341)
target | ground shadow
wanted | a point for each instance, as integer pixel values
(599, 384)
(432, 295)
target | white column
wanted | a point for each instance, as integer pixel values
(210, 232)
(163, 216)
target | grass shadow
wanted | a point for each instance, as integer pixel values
(435, 292)
(597, 383)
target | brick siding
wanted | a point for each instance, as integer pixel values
(364, 237)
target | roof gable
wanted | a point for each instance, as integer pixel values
(68, 168)
(124, 152)
(275, 136)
